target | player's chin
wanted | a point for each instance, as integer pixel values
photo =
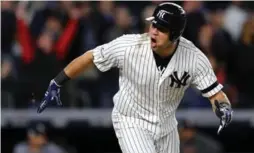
(154, 47)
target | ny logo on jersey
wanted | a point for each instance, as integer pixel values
(182, 81)
(161, 14)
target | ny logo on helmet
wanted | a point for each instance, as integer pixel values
(162, 13)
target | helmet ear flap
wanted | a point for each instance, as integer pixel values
(173, 36)
(178, 31)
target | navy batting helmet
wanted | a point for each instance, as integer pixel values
(170, 16)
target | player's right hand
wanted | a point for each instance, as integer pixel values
(52, 94)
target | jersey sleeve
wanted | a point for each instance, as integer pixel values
(109, 55)
(204, 78)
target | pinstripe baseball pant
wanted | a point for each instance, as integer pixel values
(133, 138)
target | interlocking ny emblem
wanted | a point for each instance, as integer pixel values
(182, 81)
(161, 14)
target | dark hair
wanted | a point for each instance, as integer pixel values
(37, 128)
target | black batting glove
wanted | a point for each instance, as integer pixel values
(224, 112)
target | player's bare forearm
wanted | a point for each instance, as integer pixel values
(79, 64)
(220, 97)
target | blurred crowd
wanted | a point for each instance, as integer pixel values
(38, 39)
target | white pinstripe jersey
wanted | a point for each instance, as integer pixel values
(146, 95)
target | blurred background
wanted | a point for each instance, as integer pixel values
(38, 39)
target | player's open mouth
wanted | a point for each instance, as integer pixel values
(153, 40)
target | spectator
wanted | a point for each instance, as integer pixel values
(234, 18)
(84, 38)
(8, 77)
(8, 33)
(221, 43)
(205, 37)
(195, 18)
(47, 43)
(37, 141)
(123, 24)
(193, 141)
(8, 27)
(103, 19)
(241, 67)
(9, 64)
(147, 12)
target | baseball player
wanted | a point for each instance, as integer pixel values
(155, 69)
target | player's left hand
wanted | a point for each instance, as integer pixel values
(52, 94)
(224, 112)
